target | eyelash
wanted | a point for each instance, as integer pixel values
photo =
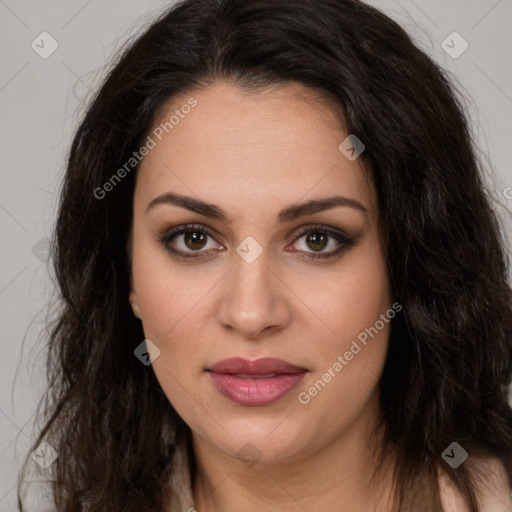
(339, 236)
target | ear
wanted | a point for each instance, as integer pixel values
(133, 300)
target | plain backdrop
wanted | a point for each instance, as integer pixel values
(43, 96)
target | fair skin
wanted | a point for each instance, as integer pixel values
(253, 154)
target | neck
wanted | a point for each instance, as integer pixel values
(339, 477)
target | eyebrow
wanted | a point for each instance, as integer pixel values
(287, 214)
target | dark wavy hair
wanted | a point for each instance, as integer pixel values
(450, 351)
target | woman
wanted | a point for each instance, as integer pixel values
(284, 286)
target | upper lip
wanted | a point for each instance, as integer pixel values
(263, 366)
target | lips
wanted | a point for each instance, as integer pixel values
(255, 383)
(259, 367)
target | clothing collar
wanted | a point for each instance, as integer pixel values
(180, 484)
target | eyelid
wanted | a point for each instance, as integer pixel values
(332, 231)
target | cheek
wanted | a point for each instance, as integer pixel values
(170, 320)
(352, 299)
(352, 348)
(170, 304)
(169, 294)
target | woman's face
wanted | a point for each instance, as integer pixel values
(251, 287)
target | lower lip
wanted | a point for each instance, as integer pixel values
(255, 392)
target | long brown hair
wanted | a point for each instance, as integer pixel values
(450, 354)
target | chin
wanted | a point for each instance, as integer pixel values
(271, 441)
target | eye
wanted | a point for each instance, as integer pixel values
(189, 239)
(319, 238)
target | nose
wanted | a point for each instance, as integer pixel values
(255, 299)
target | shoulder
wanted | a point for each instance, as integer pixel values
(493, 488)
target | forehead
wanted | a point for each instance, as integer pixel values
(276, 144)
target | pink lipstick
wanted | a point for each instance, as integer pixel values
(255, 383)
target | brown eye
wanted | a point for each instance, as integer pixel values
(316, 241)
(194, 240)
(312, 241)
(190, 241)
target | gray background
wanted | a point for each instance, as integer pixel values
(41, 101)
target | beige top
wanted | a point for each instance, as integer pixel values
(496, 492)
(182, 499)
